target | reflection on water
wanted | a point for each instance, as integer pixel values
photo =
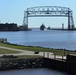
(32, 72)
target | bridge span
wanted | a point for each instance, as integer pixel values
(49, 11)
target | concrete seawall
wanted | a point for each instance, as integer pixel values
(54, 64)
(66, 66)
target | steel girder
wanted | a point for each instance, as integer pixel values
(49, 11)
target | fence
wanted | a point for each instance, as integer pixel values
(53, 56)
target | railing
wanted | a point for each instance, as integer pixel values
(54, 56)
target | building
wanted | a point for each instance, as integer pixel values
(8, 27)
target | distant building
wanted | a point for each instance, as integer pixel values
(22, 28)
(8, 27)
(42, 27)
(3, 40)
(49, 27)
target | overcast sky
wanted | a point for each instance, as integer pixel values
(13, 11)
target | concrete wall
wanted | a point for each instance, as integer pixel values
(66, 66)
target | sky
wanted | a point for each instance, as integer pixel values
(12, 11)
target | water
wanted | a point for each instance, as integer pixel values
(47, 38)
(32, 72)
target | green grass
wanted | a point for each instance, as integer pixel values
(6, 51)
(39, 49)
(30, 48)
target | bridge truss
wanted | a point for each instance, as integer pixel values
(49, 11)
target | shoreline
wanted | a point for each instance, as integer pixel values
(62, 52)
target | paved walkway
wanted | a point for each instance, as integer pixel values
(26, 52)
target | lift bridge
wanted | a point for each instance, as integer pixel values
(49, 11)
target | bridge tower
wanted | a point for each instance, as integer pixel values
(70, 20)
(25, 20)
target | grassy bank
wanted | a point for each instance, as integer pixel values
(39, 49)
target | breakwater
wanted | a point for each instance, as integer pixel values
(9, 64)
(61, 65)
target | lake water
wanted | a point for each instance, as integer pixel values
(32, 72)
(47, 38)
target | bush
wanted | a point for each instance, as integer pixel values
(9, 56)
(36, 53)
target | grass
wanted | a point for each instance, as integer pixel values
(6, 51)
(40, 49)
